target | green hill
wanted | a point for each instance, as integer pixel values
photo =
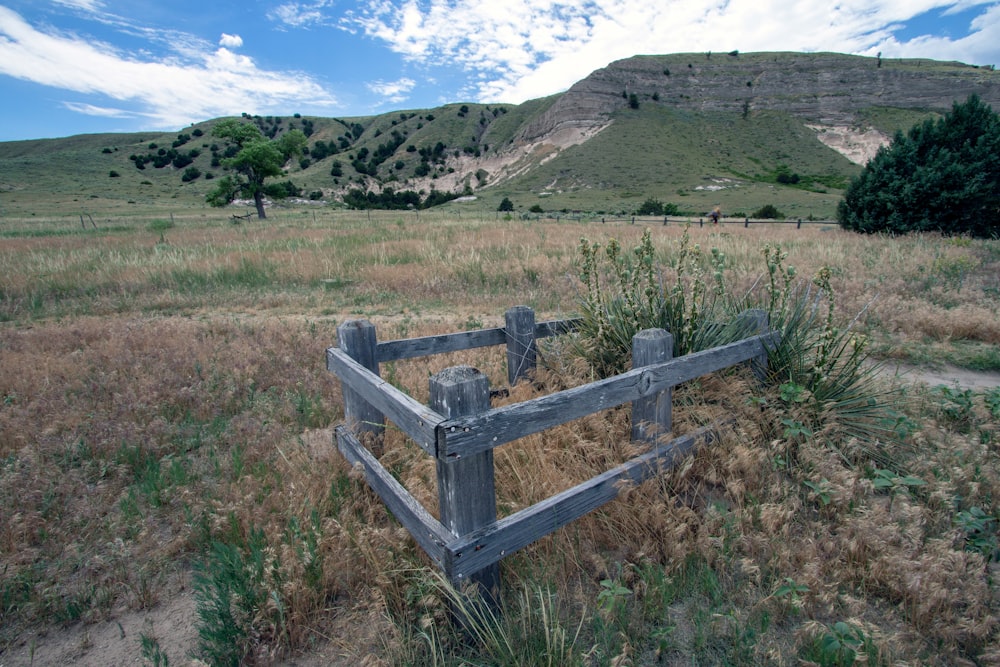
(694, 130)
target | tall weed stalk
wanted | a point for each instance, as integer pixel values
(626, 292)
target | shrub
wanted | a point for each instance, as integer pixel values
(190, 174)
(768, 212)
(626, 292)
(650, 207)
(506, 205)
(941, 176)
(113, 174)
(536, 208)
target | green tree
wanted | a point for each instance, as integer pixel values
(650, 207)
(256, 159)
(943, 175)
(506, 205)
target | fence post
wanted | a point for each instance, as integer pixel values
(519, 323)
(466, 486)
(746, 222)
(357, 338)
(652, 416)
(758, 322)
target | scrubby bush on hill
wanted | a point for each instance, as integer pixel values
(941, 176)
(768, 212)
(655, 207)
(389, 199)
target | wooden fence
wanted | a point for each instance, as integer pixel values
(673, 220)
(461, 431)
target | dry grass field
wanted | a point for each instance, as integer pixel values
(165, 434)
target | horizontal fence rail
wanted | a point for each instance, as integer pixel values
(461, 431)
(476, 433)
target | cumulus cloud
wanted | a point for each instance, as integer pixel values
(230, 41)
(522, 49)
(170, 92)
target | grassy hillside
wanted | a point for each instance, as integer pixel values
(690, 142)
(650, 152)
(683, 157)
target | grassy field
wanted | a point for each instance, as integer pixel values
(165, 420)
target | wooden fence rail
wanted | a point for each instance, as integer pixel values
(461, 431)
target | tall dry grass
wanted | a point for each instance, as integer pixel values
(163, 396)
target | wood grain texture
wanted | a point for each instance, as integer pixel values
(492, 543)
(468, 435)
(414, 418)
(425, 529)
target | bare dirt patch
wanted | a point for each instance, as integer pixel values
(857, 145)
(117, 641)
(946, 374)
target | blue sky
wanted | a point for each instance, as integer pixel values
(82, 66)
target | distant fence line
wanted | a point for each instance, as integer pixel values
(666, 220)
(460, 430)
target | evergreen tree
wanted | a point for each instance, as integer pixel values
(942, 176)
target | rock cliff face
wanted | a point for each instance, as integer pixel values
(824, 89)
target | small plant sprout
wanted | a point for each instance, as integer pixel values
(792, 591)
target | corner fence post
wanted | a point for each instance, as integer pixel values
(357, 339)
(758, 322)
(652, 416)
(466, 485)
(519, 323)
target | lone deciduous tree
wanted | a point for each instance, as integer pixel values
(256, 159)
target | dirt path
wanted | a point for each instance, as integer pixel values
(947, 375)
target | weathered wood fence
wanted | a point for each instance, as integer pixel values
(461, 431)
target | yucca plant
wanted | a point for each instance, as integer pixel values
(627, 292)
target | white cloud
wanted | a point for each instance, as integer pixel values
(980, 46)
(393, 92)
(230, 41)
(523, 49)
(172, 92)
(91, 110)
(299, 14)
(86, 5)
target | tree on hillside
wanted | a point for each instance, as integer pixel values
(941, 176)
(256, 159)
